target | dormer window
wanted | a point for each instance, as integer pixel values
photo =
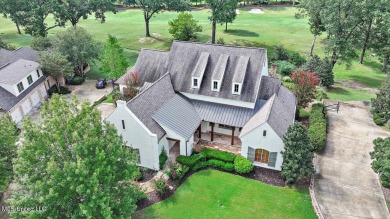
(195, 83)
(29, 79)
(215, 85)
(38, 74)
(236, 88)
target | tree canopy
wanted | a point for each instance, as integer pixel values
(297, 155)
(221, 12)
(304, 84)
(78, 46)
(56, 65)
(112, 58)
(184, 27)
(74, 165)
(380, 106)
(153, 7)
(8, 136)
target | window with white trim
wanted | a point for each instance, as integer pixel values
(195, 83)
(20, 87)
(236, 88)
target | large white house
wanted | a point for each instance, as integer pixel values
(22, 83)
(197, 90)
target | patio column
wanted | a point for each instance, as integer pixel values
(233, 128)
(212, 131)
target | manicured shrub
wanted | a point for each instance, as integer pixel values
(178, 171)
(378, 120)
(285, 68)
(200, 165)
(242, 165)
(77, 80)
(303, 114)
(163, 158)
(280, 53)
(191, 160)
(322, 68)
(380, 106)
(225, 166)
(286, 79)
(317, 127)
(160, 186)
(53, 90)
(219, 155)
(321, 93)
(296, 59)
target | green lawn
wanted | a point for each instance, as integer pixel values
(276, 26)
(215, 194)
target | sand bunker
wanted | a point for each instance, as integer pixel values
(237, 11)
(256, 11)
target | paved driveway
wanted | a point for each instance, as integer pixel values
(346, 186)
(88, 91)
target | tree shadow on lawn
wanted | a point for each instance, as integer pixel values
(243, 33)
(368, 81)
(339, 91)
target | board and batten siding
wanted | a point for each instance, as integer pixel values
(136, 134)
(271, 142)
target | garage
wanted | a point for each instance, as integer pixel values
(26, 106)
(35, 98)
(16, 115)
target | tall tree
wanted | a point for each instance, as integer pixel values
(36, 13)
(297, 155)
(380, 37)
(219, 11)
(230, 14)
(8, 136)
(153, 7)
(312, 9)
(78, 46)
(13, 9)
(74, 165)
(56, 65)
(381, 158)
(112, 58)
(74, 10)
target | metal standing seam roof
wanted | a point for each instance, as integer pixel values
(16, 71)
(148, 102)
(179, 115)
(225, 114)
(8, 100)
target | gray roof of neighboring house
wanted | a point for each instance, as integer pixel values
(150, 101)
(278, 111)
(183, 58)
(179, 115)
(8, 100)
(16, 71)
(225, 114)
(150, 66)
(26, 53)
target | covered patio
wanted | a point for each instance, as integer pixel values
(217, 141)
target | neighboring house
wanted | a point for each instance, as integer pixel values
(198, 92)
(22, 83)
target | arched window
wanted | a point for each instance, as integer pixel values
(261, 156)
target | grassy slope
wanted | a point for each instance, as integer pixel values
(230, 196)
(276, 26)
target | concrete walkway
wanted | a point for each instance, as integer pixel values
(346, 186)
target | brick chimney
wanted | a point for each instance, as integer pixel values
(273, 70)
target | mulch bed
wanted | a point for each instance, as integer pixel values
(147, 175)
(267, 176)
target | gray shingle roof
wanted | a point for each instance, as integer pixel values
(278, 111)
(150, 66)
(240, 70)
(16, 71)
(8, 100)
(148, 102)
(181, 64)
(225, 114)
(26, 53)
(179, 115)
(268, 87)
(220, 67)
(201, 64)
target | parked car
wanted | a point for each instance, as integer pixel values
(101, 83)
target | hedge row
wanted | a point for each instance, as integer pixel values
(317, 127)
(224, 161)
(219, 155)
